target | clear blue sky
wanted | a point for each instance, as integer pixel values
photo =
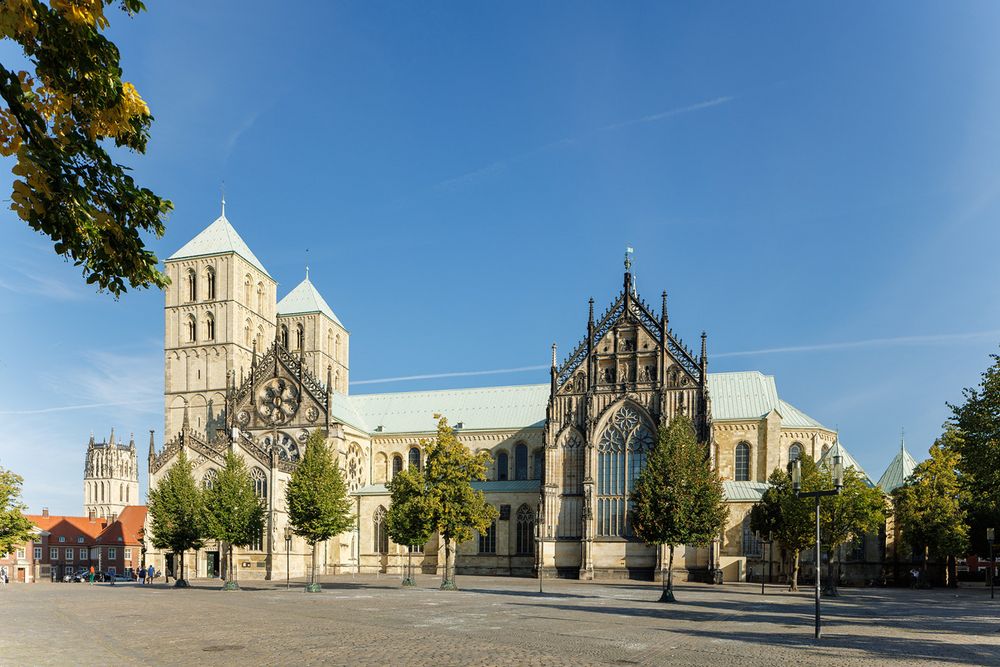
(464, 177)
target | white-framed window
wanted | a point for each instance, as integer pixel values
(128, 554)
(21, 554)
(38, 553)
(83, 553)
(53, 553)
(69, 553)
(488, 540)
(112, 553)
(62, 538)
(79, 540)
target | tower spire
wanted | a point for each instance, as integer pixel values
(152, 447)
(223, 199)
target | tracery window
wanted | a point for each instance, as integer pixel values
(192, 280)
(415, 458)
(621, 455)
(742, 462)
(751, 545)
(192, 327)
(210, 327)
(794, 452)
(259, 480)
(381, 536)
(397, 465)
(247, 335)
(210, 478)
(260, 298)
(573, 464)
(488, 540)
(284, 336)
(300, 337)
(521, 461)
(210, 284)
(503, 467)
(525, 531)
(538, 464)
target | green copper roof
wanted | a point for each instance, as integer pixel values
(481, 408)
(219, 238)
(305, 299)
(846, 460)
(743, 492)
(506, 486)
(899, 469)
(752, 395)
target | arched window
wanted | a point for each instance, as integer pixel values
(488, 540)
(336, 348)
(525, 531)
(742, 462)
(751, 545)
(260, 339)
(210, 327)
(621, 455)
(284, 336)
(192, 280)
(259, 480)
(121, 493)
(210, 283)
(247, 291)
(573, 464)
(260, 298)
(415, 458)
(397, 464)
(192, 326)
(538, 464)
(381, 536)
(127, 499)
(794, 452)
(521, 461)
(336, 381)
(503, 467)
(300, 337)
(210, 478)
(329, 341)
(826, 448)
(247, 335)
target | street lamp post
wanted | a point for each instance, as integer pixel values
(288, 557)
(538, 539)
(769, 541)
(838, 483)
(990, 534)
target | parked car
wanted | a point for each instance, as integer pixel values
(111, 576)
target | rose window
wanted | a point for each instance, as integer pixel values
(277, 401)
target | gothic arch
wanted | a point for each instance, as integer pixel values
(623, 441)
(381, 468)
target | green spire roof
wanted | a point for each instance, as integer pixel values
(899, 469)
(219, 238)
(305, 299)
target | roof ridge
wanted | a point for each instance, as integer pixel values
(453, 389)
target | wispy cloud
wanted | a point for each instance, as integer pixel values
(235, 135)
(499, 165)
(80, 406)
(432, 376)
(868, 342)
(34, 283)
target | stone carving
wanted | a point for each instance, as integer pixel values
(277, 401)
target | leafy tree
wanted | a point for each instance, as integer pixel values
(791, 519)
(859, 509)
(455, 509)
(318, 507)
(976, 438)
(408, 518)
(678, 497)
(234, 513)
(177, 509)
(929, 507)
(58, 121)
(15, 528)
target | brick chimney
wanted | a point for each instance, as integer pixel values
(45, 511)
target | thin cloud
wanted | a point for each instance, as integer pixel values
(870, 342)
(81, 406)
(500, 165)
(433, 376)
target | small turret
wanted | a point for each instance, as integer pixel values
(152, 446)
(91, 444)
(111, 441)
(131, 441)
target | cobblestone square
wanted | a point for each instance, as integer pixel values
(370, 620)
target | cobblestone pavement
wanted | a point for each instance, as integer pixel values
(491, 621)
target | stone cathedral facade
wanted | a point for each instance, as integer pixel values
(247, 371)
(110, 477)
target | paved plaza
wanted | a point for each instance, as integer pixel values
(492, 621)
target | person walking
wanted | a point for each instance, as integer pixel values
(151, 572)
(91, 575)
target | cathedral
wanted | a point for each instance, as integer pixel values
(247, 371)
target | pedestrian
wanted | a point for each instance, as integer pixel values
(3, 577)
(151, 572)
(91, 574)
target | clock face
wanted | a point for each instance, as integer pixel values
(277, 401)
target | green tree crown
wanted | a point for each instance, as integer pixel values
(177, 509)
(15, 528)
(234, 513)
(318, 506)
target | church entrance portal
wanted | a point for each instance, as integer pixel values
(212, 563)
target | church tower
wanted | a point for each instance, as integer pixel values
(309, 329)
(220, 312)
(110, 477)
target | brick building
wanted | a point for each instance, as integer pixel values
(119, 545)
(24, 562)
(66, 547)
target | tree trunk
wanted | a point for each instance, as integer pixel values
(449, 581)
(793, 585)
(668, 579)
(312, 576)
(927, 556)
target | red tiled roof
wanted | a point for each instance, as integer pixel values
(127, 527)
(69, 526)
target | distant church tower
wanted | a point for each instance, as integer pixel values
(110, 477)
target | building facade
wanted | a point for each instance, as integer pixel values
(110, 477)
(248, 372)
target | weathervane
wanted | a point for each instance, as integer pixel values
(628, 258)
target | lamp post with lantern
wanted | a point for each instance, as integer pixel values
(288, 557)
(838, 483)
(769, 542)
(990, 534)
